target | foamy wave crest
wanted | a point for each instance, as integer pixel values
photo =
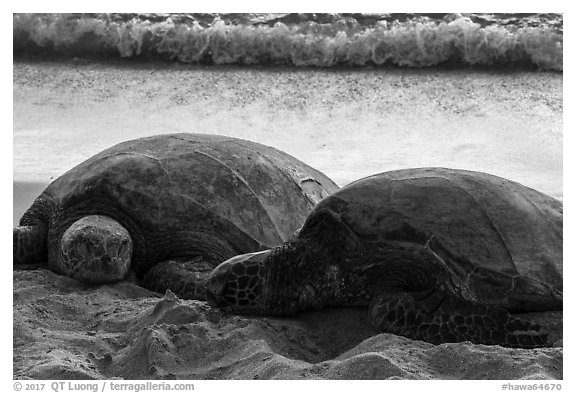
(419, 42)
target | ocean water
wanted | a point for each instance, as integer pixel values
(301, 40)
(349, 94)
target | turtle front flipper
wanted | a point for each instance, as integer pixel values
(185, 278)
(439, 317)
(30, 246)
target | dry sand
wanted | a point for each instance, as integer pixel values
(63, 330)
(346, 123)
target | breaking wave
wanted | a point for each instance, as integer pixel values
(321, 40)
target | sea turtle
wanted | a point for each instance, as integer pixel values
(170, 207)
(437, 254)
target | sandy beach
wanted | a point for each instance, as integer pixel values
(348, 124)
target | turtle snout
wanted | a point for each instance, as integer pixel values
(216, 284)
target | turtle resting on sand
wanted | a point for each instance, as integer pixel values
(170, 208)
(436, 254)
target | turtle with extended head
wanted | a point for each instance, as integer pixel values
(170, 208)
(436, 254)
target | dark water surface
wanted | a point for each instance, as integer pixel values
(533, 41)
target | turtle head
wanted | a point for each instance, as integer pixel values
(281, 281)
(238, 284)
(95, 249)
(301, 274)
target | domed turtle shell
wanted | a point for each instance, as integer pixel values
(185, 195)
(502, 241)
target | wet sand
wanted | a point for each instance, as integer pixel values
(348, 124)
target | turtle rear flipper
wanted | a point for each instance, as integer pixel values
(439, 317)
(185, 278)
(29, 245)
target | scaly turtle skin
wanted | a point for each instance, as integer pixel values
(168, 207)
(436, 254)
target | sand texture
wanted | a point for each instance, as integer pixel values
(63, 330)
(346, 123)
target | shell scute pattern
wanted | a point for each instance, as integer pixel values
(198, 199)
(435, 252)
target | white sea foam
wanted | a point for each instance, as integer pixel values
(413, 42)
